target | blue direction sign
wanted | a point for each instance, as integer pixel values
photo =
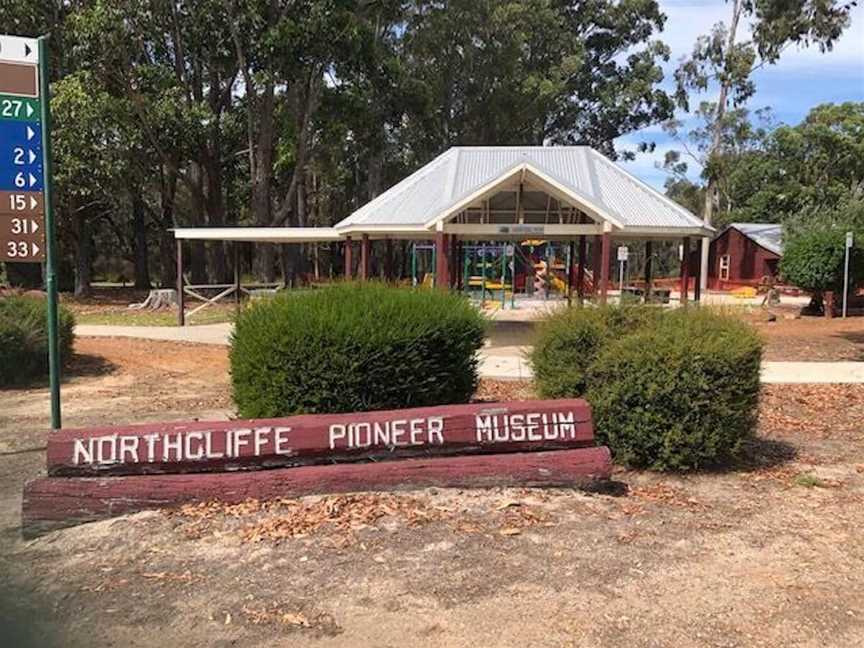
(20, 156)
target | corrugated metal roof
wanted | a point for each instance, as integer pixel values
(768, 235)
(455, 175)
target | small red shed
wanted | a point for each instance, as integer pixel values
(743, 253)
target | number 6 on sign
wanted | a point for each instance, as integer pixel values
(20, 180)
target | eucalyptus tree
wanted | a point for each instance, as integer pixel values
(535, 71)
(725, 60)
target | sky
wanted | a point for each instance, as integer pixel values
(802, 79)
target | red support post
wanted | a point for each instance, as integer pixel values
(349, 262)
(596, 264)
(580, 271)
(364, 258)
(685, 270)
(442, 260)
(605, 251)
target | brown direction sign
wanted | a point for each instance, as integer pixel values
(22, 227)
(26, 249)
(21, 202)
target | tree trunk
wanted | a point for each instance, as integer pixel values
(139, 243)
(83, 257)
(828, 300)
(167, 262)
(215, 205)
(264, 261)
(720, 114)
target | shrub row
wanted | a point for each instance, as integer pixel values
(24, 338)
(671, 390)
(354, 347)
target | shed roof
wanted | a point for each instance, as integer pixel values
(585, 175)
(766, 235)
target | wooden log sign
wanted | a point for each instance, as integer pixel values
(309, 439)
(54, 502)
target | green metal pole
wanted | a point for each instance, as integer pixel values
(50, 251)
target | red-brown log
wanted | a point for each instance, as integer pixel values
(301, 440)
(53, 502)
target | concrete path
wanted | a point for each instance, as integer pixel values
(497, 362)
(203, 334)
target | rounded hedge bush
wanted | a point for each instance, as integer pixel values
(569, 340)
(679, 394)
(354, 347)
(24, 338)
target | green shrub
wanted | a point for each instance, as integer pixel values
(354, 347)
(568, 341)
(24, 338)
(680, 394)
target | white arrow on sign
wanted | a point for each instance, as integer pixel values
(33, 179)
(18, 49)
(33, 203)
(30, 110)
(34, 225)
(30, 133)
(34, 249)
(32, 156)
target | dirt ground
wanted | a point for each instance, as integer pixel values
(766, 554)
(786, 339)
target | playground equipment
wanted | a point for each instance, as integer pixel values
(496, 273)
(489, 269)
(423, 264)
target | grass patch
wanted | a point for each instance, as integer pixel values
(808, 481)
(127, 317)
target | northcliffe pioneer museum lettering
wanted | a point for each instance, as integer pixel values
(234, 443)
(541, 443)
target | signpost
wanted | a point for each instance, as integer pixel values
(26, 218)
(623, 255)
(850, 240)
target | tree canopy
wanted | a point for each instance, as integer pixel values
(272, 112)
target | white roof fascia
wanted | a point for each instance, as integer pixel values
(353, 229)
(260, 234)
(522, 231)
(645, 231)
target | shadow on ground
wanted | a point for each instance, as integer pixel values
(856, 338)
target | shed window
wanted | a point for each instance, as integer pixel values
(724, 267)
